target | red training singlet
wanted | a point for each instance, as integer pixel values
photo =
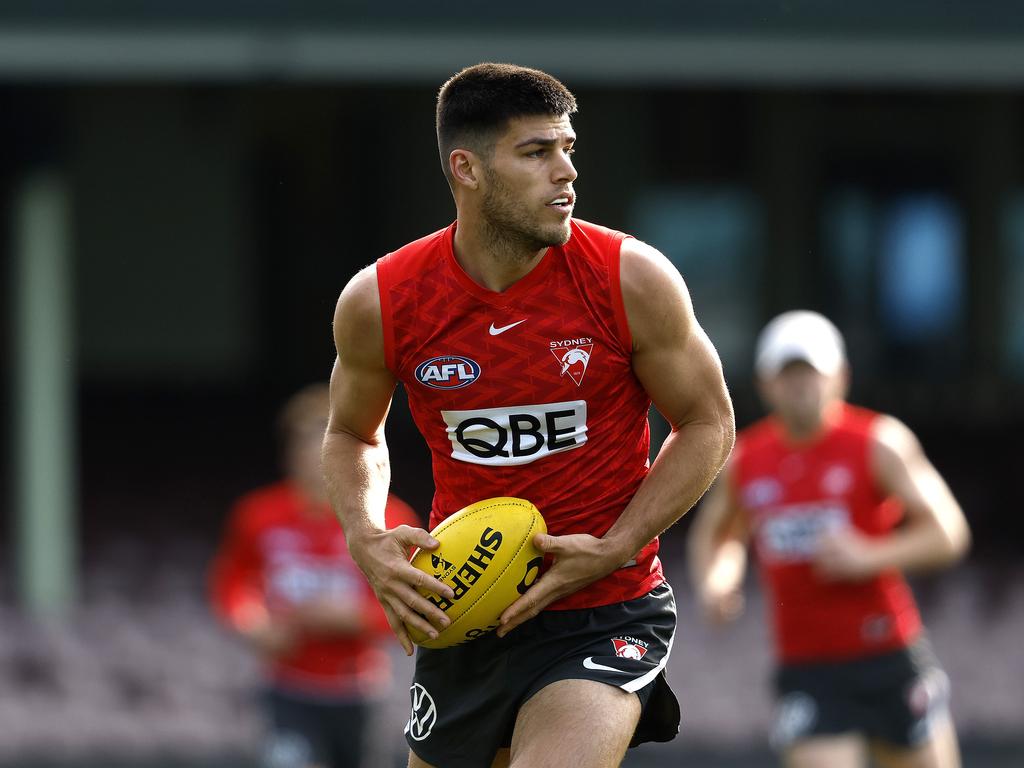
(793, 493)
(274, 557)
(528, 392)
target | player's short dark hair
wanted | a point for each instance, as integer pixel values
(477, 103)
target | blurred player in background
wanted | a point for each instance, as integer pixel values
(838, 501)
(530, 345)
(283, 579)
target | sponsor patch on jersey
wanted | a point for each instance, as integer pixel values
(517, 434)
(573, 356)
(629, 648)
(297, 579)
(448, 372)
(791, 533)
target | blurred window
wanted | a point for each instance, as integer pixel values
(713, 235)
(849, 227)
(895, 268)
(1013, 287)
(921, 270)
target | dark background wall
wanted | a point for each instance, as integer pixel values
(215, 225)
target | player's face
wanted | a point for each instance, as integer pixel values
(800, 394)
(527, 193)
(302, 457)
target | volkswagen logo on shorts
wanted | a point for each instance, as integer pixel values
(448, 372)
(423, 714)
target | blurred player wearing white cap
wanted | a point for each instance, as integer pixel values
(838, 502)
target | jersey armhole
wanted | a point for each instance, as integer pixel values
(618, 304)
(735, 467)
(384, 291)
(868, 457)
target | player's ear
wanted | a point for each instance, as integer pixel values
(764, 390)
(844, 381)
(464, 166)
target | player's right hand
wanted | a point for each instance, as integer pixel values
(721, 607)
(383, 557)
(271, 637)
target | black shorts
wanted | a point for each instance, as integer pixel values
(893, 697)
(311, 731)
(465, 699)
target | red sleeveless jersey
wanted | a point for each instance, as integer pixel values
(275, 557)
(793, 493)
(528, 392)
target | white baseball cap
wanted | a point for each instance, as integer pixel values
(799, 335)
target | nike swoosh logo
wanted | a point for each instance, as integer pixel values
(495, 331)
(589, 663)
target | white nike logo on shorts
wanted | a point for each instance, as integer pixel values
(495, 331)
(589, 663)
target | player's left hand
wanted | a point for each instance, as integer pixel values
(330, 617)
(579, 559)
(845, 555)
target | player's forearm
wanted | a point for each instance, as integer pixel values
(685, 467)
(327, 618)
(357, 474)
(717, 567)
(920, 546)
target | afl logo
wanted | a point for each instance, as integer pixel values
(447, 372)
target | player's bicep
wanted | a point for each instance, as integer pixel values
(672, 355)
(361, 384)
(904, 472)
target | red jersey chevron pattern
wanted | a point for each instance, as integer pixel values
(793, 493)
(528, 392)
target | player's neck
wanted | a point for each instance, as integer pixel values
(807, 431)
(491, 260)
(315, 496)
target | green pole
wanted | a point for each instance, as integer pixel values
(43, 395)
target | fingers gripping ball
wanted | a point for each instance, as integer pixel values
(488, 558)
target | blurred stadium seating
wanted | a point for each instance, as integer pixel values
(141, 671)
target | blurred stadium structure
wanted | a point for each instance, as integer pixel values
(187, 185)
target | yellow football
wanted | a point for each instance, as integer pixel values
(488, 558)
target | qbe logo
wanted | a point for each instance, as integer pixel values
(448, 372)
(422, 715)
(517, 434)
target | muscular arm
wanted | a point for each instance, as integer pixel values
(935, 533)
(356, 468)
(677, 365)
(675, 362)
(355, 455)
(717, 551)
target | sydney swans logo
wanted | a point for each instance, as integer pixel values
(573, 356)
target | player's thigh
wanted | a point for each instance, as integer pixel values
(295, 739)
(501, 760)
(846, 750)
(575, 724)
(940, 751)
(345, 729)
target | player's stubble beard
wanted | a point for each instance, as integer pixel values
(513, 236)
